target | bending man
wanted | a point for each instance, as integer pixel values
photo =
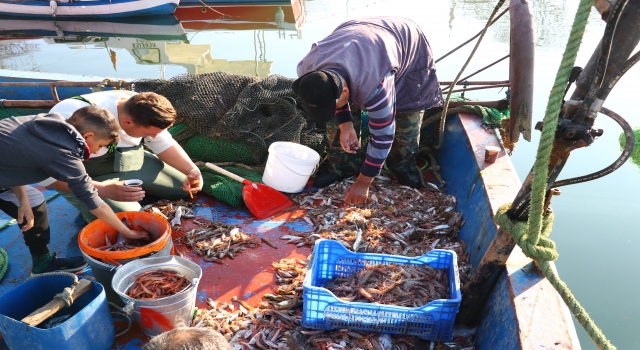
(382, 65)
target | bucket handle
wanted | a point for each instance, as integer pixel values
(315, 168)
(128, 309)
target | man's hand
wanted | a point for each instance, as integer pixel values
(136, 234)
(193, 183)
(117, 191)
(358, 192)
(348, 138)
(25, 214)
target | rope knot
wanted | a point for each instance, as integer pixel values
(539, 248)
(66, 295)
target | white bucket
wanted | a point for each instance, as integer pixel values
(289, 166)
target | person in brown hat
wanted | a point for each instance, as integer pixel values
(381, 65)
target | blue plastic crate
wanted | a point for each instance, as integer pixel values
(323, 310)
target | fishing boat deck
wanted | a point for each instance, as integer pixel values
(522, 311)
(248, 276)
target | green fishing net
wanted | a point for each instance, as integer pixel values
(635, 154)
(491, 117)
(224, 188)
(211, 149)
(19, 112)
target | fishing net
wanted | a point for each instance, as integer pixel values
(225, 189)
(211, 149)
(635, 154)
(19, 112)
(235, 113)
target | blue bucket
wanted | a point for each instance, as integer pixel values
(89, 327)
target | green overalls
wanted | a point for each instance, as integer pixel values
(159, 179)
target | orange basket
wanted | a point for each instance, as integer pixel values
(93, 236)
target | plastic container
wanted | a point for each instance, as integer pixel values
(103, 264)
(323, 310)
(164, 314)
(90, 326)
(289, 166)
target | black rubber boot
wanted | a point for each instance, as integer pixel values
(407, 172)
(409, 176)
(325, 179)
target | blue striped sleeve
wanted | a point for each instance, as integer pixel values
(381, 106)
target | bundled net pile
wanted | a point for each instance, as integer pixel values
(224, 188)
(226, 115)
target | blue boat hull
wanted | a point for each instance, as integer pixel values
(92, 9)
(523, 310)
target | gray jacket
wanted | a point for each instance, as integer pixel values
(34, 148)
(368, 48)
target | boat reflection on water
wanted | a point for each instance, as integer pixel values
(156, 28)
(164, 41)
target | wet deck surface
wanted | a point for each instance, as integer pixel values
(249, 276)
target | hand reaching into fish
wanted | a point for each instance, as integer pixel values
(122, 237)
(193, 183)
(359, 191)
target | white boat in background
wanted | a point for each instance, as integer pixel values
(87, 8)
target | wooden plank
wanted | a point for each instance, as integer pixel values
(38, 316)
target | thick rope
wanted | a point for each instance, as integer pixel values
(67, 292)
(4, 263)
(455, 81)
(127, 315)
(532, 237)
(550, 123)
(543, 252)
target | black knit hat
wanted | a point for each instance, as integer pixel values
(319, 91)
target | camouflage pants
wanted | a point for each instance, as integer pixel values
(403, 150)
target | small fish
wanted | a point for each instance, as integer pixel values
(433, 186)
(268, 242)
(273, 297)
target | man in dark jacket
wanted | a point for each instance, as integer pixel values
(34, 148)
(382, 65)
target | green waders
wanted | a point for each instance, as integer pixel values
(159, 179)
(403, 150)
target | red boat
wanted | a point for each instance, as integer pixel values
(241, 17)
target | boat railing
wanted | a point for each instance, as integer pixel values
(54, 85)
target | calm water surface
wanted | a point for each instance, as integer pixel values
(595, 226)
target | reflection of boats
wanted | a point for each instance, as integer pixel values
(162, 41)
(195, 58)
(288, 16)
(93, 9)
(158, 28)
(521, 312)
